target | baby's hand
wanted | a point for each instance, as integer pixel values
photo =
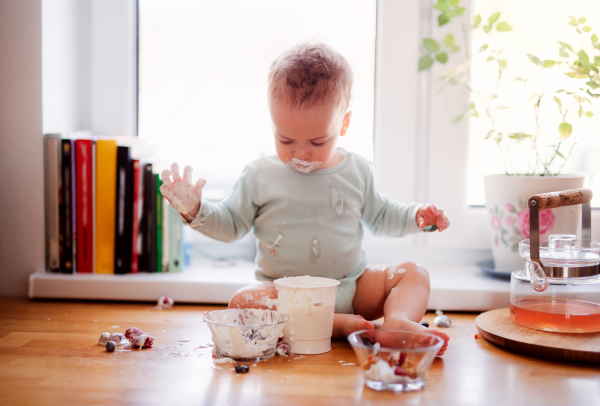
(180, 192)
(431, 215)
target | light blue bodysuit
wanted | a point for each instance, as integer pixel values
(307, 223)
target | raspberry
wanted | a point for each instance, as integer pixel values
(400, 372)
(283, 348)
(116, 337)
(142, 341)
(133, 332)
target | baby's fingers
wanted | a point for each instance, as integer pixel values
(164, 190)
(166, 178)
(443, 222)
(175, 171)
(199, 186)
(187, 173)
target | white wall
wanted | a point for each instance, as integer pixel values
(22, 190)
(89, 72)
(66, 65)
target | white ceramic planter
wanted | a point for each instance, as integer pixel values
(508, 215)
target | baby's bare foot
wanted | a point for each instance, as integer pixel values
(346, 324)
(407, 325)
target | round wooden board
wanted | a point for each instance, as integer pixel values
(497, 327)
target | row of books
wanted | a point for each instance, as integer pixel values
(104, 210)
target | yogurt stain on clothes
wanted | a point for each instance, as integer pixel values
(275, 243)
(337, 203)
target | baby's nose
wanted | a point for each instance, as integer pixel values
(302, 154)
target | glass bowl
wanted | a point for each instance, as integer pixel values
(245, 334)
(395, 360)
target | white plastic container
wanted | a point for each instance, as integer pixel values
(308, 302)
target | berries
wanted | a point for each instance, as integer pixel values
(400, 372)
(116, 337)
(133, 332)
(282, 348)
(242, 369)
(111, 346)
(142, 341)
(476, 336)
(424, 323)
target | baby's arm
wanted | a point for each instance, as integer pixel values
(180, 192)
(431, 215)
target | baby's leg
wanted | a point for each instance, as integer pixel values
(261, 294)
(398, 292)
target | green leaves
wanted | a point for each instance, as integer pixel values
(519, 136)
(425, 62)
(431, 45)
(583, 57)
(449, 41)
(493, 18)
(565, 129)
(557, 101)
(548, 63)
(535, 60)
(565, 45)
(503, 27)
(476, 21)
(442, 57)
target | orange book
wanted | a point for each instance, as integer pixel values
(106, 181)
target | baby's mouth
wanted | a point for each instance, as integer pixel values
(304, 166)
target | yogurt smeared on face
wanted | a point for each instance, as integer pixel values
(304, 166)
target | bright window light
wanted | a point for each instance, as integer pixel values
(538, 26)
(203, 76)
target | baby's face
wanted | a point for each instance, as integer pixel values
(306, 139)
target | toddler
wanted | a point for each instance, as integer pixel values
(307, 204)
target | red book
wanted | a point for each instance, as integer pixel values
(84, 201)
(136, 220)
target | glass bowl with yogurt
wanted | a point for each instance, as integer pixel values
(395, 360)
(245, 334)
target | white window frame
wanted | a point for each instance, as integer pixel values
(419, 154)
(413, 118)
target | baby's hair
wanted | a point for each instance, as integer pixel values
(309, 75)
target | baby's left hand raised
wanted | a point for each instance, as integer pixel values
(431, 215)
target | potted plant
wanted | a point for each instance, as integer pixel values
(534, 150)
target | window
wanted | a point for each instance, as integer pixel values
(538, 26)
(203, 76)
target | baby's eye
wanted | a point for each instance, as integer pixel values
(285, 142)
(318, 144)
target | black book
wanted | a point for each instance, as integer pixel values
(146, 256)
(66, 209)
(123, 211)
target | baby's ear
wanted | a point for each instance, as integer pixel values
(346, 123)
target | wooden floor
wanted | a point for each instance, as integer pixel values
(49, 356)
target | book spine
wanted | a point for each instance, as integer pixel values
(135, 216)
(93, 213)
(106, 173)
(165, 234)
(52, 154)
(145, 237)
(159, 216)
(66, 228)
(83, 149)
(74, 205)
(175, 241)
(124, 209)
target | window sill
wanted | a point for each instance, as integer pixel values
(462, 288)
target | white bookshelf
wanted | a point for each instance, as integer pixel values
(464, 288)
